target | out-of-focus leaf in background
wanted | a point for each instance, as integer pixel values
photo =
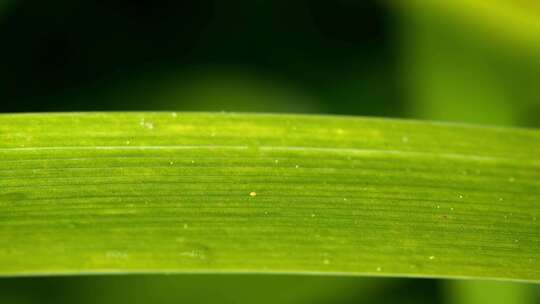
(507, 24)
(476, 292)
(472, 61)
(215, 289)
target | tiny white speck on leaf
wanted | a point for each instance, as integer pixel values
(379, 268)
(460, 195)
(253, 194)
(297, 166)
(173, 114)
(431, 257)
(146, 124)
(171, 163)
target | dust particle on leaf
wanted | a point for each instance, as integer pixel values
(146, 124)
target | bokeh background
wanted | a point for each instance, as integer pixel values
(471, 61)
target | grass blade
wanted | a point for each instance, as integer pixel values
(167, 192)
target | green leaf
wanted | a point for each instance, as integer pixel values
(478, 292)
(205, 288)
(167, 192)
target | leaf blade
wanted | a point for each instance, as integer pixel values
(166, 192)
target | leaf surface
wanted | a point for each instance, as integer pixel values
(200, 192)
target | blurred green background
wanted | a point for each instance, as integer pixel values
(471, 61)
